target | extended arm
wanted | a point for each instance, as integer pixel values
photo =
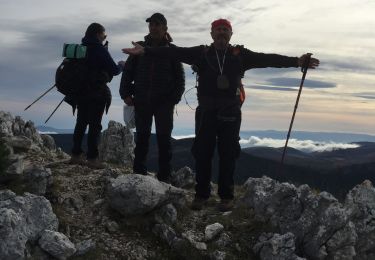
(110, 66)
(185, 55)
(262, 60)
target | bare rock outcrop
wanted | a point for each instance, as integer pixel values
(117, 144)
(27, 153)
(319, 222)
(183, 178)
(360, 205)
(22, 220)
(134, 194)
(20, 134)
(276, 247)
(56, 244)
(119, 215)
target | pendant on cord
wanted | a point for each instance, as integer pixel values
(222, 82)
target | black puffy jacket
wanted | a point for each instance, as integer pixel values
(152, 80)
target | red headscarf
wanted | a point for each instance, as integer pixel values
(219, 22)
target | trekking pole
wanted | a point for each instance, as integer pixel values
(304, 68)
(40, 97)
(54, 110)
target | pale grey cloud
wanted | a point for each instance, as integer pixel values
(290, 84)
(270, 88)
(366, 95)
(295, 82)
(350, 64)
(339, 34)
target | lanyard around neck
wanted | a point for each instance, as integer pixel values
(221, 67)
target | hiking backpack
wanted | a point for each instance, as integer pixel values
(72, 75)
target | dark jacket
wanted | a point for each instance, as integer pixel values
(102, 68)
(152, 80)
(237, 60)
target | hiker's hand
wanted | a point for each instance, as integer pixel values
(313, 62)
(129, 101)
(137, 50)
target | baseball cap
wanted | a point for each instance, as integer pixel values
(219, 22)
(157, 17)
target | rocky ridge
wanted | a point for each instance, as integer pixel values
(50, 209)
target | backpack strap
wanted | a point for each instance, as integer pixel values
(236, 51)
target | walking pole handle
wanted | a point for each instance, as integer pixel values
(306, 63)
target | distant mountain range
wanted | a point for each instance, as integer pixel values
(336, 171)
(52, 130)
(300, 135)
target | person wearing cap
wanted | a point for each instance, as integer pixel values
(218, 115)
(154, 85)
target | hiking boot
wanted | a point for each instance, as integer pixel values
(77, 159)
(95, 164)
(225, 205)
(198, 203)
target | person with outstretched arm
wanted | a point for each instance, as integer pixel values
(218, 115)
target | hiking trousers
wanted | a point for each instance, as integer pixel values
(221, 127)
(163, 114)
(89, 113)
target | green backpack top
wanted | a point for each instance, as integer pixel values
(74, 51)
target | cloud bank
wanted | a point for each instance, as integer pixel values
(307, 146)
(302, 145)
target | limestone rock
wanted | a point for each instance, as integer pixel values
(312, 218)
(223, 240)
(276, 247)
(112, 226)
(183, 178)
(19, 143)
(56, 244)
(360, 205)
(84, 247)
(218, 255)
(13, 235)
(48, 142)
(166, 214)
(6, 123)
(14, 170)
(22, 136)
(195, 240)
(22, 220)
(134, 194)
(212, 231)
(165, 232)
(117, 144)
(12, 127)
(38, 179)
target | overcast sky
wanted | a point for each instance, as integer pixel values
(338, 96)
